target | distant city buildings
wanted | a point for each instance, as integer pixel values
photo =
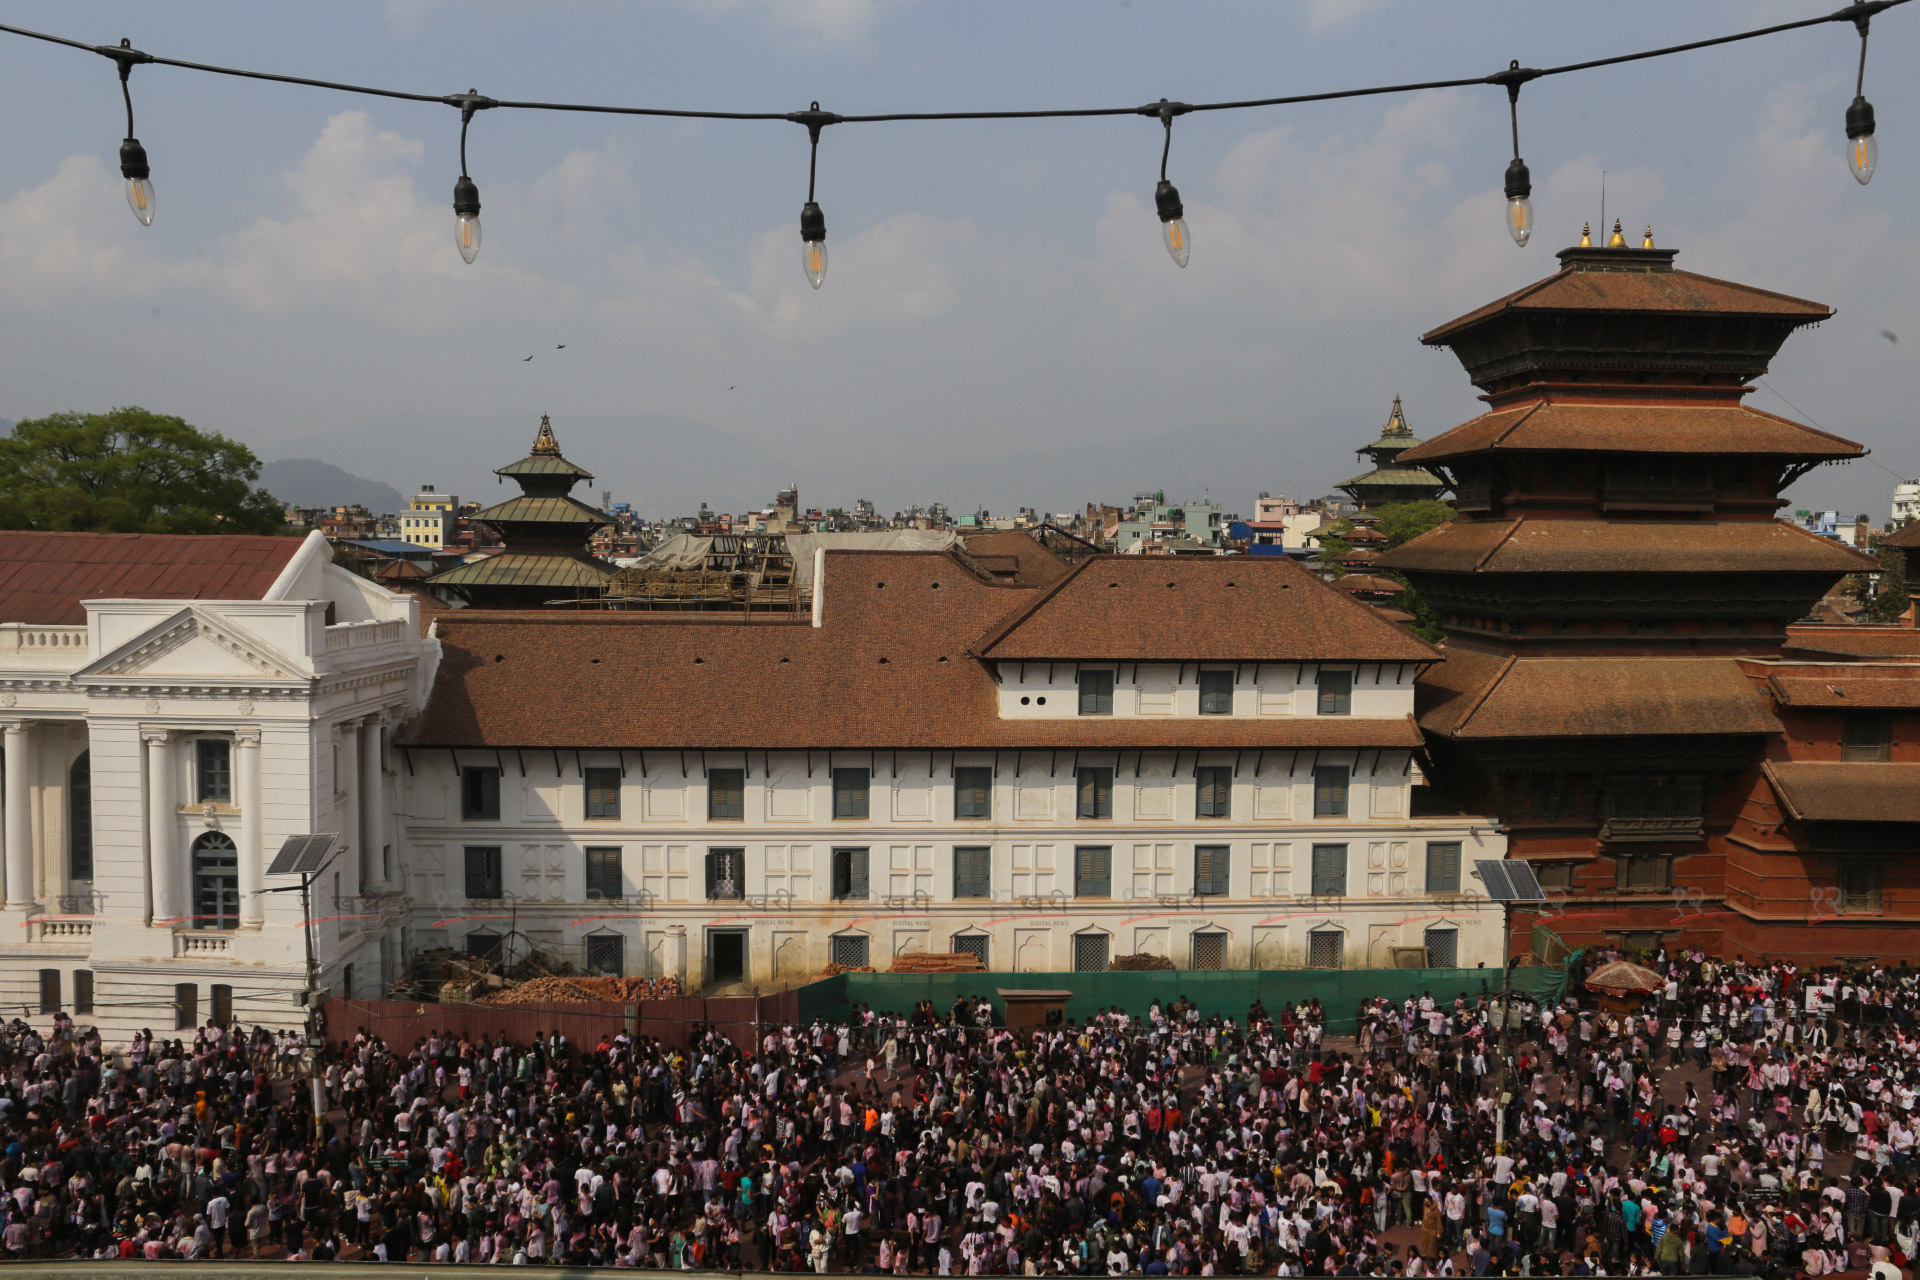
(430, 518)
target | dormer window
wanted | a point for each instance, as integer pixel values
(1216, 693)
(1096, 693)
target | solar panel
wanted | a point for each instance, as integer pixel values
(302, 855)
(1510, 881)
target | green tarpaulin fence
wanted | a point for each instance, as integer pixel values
(1229, 991)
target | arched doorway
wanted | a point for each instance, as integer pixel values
(216, 882)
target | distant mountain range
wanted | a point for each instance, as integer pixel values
(309, 482)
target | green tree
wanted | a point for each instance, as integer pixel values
(1402, 522)
(130, 471)
(1883, 596)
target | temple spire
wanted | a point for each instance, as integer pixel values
(544, 444)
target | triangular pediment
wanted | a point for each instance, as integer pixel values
(194, 644)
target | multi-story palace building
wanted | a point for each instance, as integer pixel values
(1211, 760)
(173, 709)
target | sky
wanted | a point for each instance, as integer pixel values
(1000, 324)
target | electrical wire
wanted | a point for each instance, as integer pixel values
(1854, 13)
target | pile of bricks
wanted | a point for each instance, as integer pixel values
(938, 962)
(553, 990)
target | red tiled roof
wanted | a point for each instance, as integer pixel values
(1536, 545)
(1885, 687)
(1482, 695)
(1202, 608)
(1575, 289)
(887, 668)
(1634, 428)
(1853, 792)
(45, 576)
(1854, 640)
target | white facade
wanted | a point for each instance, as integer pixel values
(430, 518)
(1906, 502)
(771, 896)
(156, 759)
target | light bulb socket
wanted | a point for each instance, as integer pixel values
(1860, 118)
(1519, 181)
(133, 160)
(813, 223)
(1166, 201)
(466, 198)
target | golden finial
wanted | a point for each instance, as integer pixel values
(543, 442)
(1586, 235)
(1616, 240)
(1648, 242)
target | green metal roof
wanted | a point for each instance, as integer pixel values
(1397, 477)
(527, 509)
(526, 569)
(537, 464)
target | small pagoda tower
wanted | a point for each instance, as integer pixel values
(545, 531)
(1389, 481)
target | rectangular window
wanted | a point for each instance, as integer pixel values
(1866, 735)
(1093, 871)
(973, 872)
(971, 944)
(1336, 692)
(603, 873)
(485, 946)
(1443, 948)
(1213, 791)
(726, 795)
(726, 874)
(850, 949)
(1096, 793)
(1211, 863)
(1554, 875)
(213, 769)
(346, 982)
(1096, 693)
(607, 954)
(1216, 693)
(1090, 952)
(483, 871)
(1330, 870)
(1648, 873)
(1210, 950)
(80, 818)
(49, 991)
(186, 1006)
(603, 793)
(1443, 867)
(1860, 886)
(849, 874)
(480, 792)
(83, 991)
(1326, 949)
(222, 1001)
(973, 792)
(1330, 791)
(850, 793)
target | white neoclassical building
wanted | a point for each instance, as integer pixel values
(1211, 759)
(173, 710)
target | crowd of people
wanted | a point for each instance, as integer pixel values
(1744, 1119)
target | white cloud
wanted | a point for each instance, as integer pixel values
(823, 22)
(1322, 14)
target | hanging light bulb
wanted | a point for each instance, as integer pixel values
(813, 243)
(466, 219)
(1863, 149)
(1519, 202)
(1173, 222)
(133, 167)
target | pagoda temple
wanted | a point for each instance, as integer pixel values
(1390, 480)
(545, 531)
(1613, 582)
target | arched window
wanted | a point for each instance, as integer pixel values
(80, 818)
(216, 882)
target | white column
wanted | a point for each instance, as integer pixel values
(372, 805)
(348, 784)
(19, 818)
(253, 875)
(163, 871)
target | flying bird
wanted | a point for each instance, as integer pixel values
(559, 346)
(1890, 336)
(524, 359)
(729, 388)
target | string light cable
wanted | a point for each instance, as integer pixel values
(1862, 147)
